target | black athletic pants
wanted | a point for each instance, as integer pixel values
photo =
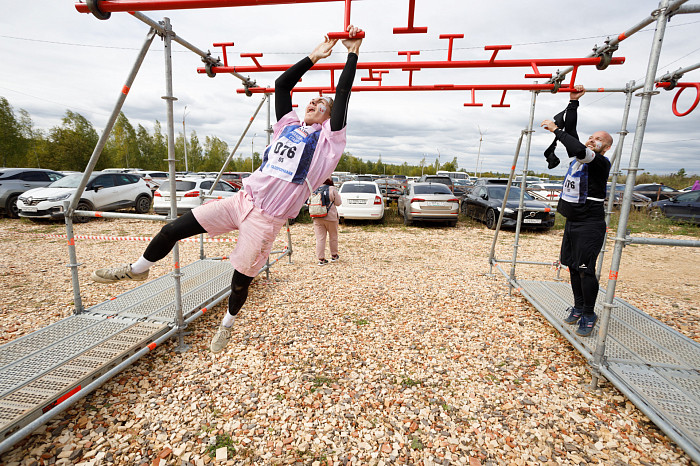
(580, 247)
(184, 227)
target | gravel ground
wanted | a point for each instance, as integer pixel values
(405, 352)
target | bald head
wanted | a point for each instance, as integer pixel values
(599, 142)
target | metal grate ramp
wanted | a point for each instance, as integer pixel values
(40, 370)
(655, 366)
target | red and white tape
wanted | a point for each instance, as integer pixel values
(140, 238)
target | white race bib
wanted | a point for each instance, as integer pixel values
(285, 153)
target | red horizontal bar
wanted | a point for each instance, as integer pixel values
(426, 64)
(421, 88)
(108, 6)
(345, 35)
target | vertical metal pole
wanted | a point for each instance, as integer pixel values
(652, 67)
(268, 130)
(523, 184)
(492, 254)
(77, 300)
(68, 208)
(184, 137)
(616, 171)
(167, 46)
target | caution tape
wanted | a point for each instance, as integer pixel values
(140, 238)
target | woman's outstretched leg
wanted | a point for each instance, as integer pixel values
(160, 246)
(239, 293)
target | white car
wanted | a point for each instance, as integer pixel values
(188, 190)
(152, 178)
(103, 192)
(548, 193)
(362, 200)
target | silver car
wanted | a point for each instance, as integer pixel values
(430, 202)
(15, 181)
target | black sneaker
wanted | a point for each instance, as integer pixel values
(335, 258)
(322, 262)
(574, 315)
(585, 325)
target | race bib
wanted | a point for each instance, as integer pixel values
(575, 189)
(289, 156)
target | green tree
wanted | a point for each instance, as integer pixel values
(11, 141)
(123, 145)
(216, 150)
(72, 143)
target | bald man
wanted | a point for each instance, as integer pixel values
(582, 203)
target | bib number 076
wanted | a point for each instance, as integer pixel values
(283, 149)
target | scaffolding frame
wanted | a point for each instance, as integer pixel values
(101, 10)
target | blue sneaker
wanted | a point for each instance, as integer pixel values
(586, 324)
(574, 315)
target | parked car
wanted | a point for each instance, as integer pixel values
(462, 186)
(103, 192)
(390, 188)
(235, 179)
(548, 193)
(685, 207)
(639, 201)
(428, 201)
(444, 179)
(655, 191)
(484, 204)
(187, 191)
(152, 178)
(362, 200)
(15, 181)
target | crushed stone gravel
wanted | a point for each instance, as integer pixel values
(405, 351)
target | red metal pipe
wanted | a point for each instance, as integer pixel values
(109, 6)
(416, 65)
(410, 29)
(422, 88)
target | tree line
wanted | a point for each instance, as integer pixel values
(69, 146)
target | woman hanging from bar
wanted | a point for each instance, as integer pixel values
(302, 155)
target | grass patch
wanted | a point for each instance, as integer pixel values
(224, 440)
(359, 322)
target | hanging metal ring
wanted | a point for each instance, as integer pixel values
(605, 60)
(95, 10)
(210, 72)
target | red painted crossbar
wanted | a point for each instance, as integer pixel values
(110, 6)
(429, 87)
(417, 65)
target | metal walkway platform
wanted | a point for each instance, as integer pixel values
(655, 366)
(42, 369)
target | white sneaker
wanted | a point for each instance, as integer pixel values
(115, 274)
(221, 339)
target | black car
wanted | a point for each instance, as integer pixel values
(684, 207)
(484, 204)
(655, 191)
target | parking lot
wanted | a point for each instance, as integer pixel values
(403, 349)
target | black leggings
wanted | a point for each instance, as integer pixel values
(584, 285)
(184, 227)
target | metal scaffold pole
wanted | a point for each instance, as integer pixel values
(523, 185)
(169, 99)
(617, 156)
(648, 91)
(492, 254)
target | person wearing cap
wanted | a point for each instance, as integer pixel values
(582, 203)
(302, 155)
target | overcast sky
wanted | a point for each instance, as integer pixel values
(54, 58)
